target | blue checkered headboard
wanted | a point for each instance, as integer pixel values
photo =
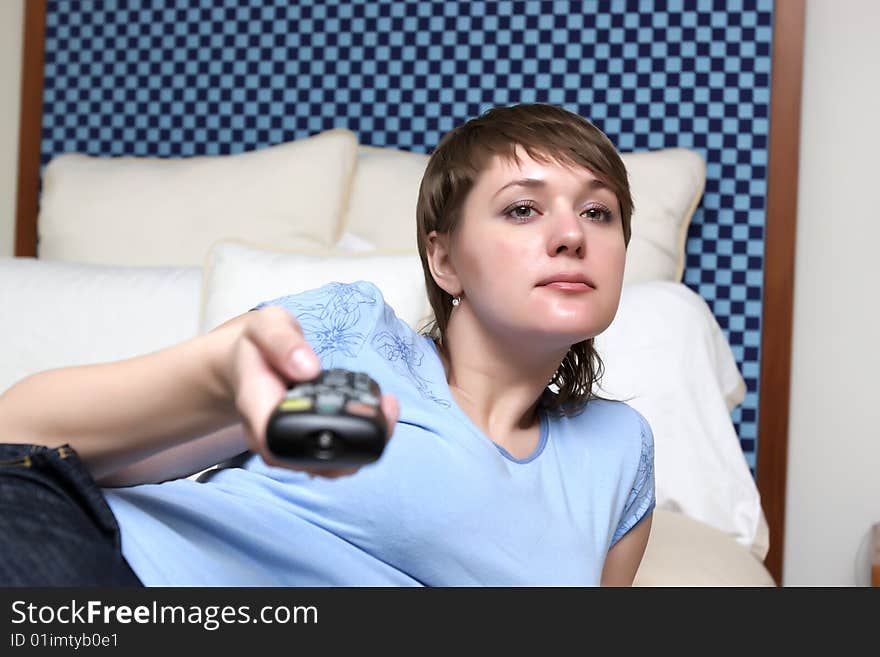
(186, 77)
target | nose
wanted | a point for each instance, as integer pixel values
(566, 235)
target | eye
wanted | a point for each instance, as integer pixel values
(599, 213)
(519, 218)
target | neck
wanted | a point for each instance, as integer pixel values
(497, 381)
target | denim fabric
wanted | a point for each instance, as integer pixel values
(56, 528)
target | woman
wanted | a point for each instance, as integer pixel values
(491, 479)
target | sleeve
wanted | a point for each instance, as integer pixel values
(337, 319)
(642, 498)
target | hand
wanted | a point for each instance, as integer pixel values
(270, 351)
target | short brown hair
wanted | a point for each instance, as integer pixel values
(547, 133)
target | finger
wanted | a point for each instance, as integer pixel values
(259, 391)
(335, 473)
(279, 337)
(391, 409)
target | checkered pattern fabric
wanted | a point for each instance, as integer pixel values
(186, 77)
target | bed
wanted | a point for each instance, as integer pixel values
(191, 214)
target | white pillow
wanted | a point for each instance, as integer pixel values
(168, 211)
(58, 314)
(666, 351)
(666, 186)
(239, 275)
(351, 242)
(384, 191)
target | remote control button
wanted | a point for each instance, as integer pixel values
(303, 390)
(367, 398)
(298, 404)
(329, 402)
(335, 377)
(362, 382)
(357, 408)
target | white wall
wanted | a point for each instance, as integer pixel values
(833, 493)
(11, 23)
(834, 445)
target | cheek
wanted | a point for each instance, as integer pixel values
(515, 255)
(613, 257)
(496, 261)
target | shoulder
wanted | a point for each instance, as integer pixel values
(334, 295)
(340, 309)
(617, 414)
(640, 437)
(640, 426)
(625, 428)
(337, 319)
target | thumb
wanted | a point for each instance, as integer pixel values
(279, 337)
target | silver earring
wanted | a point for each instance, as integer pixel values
(456, 301)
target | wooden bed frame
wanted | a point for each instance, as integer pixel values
(875, 555)
(779, 256)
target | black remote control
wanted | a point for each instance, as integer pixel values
(334, 420)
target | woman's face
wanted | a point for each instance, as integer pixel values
(515, 239)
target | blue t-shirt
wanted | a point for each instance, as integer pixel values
(443, 506)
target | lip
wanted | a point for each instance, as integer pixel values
(569, 286)
(568, 280)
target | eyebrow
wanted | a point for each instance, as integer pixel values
(595, 183)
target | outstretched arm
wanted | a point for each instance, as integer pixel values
(175, 411)
(118, 413)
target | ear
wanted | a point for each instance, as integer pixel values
(440, 263)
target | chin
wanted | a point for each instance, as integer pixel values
(564, 333)
(570, 318)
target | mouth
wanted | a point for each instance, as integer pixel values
(568, 286)
(573, 282)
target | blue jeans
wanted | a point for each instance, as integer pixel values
(56, 528)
